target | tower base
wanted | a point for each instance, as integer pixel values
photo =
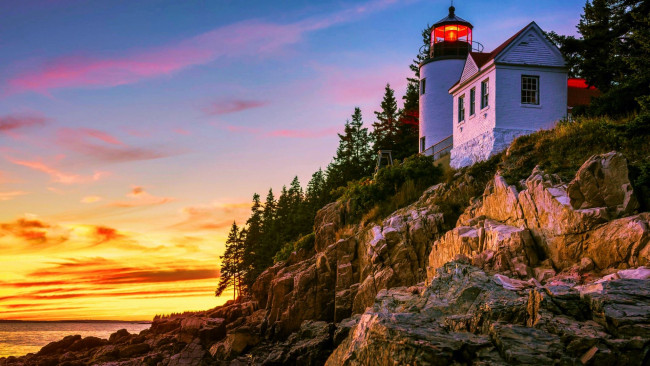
(483, 146)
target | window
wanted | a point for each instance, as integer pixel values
(472, 101)
(461, 109)
(485, 93)
(422, 144)
(529, 89)
(423, 86)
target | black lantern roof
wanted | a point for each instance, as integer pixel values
(452, 19)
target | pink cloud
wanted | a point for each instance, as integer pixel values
(57, 175)
(242, 39)
(16, 122)
(286, 133)
(182, 131)
(218, 215)
(221, 107)
(363, 86)
(303, 134)
(138, 197)
(105, 147)
(242, 129)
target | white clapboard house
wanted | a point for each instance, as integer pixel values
(474, 103)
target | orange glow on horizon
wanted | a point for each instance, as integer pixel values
(74, 271)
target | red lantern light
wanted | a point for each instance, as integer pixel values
(451, 36)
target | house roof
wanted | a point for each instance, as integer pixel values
(452, 19)
(580, 93)
(482, 58)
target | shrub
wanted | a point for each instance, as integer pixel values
(641, 183)
(306, 242)
(393, 187)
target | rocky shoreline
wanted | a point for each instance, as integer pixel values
(542, 272)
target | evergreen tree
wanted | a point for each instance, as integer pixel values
(354, 157)
(612, 54)
(232, 267)
(300, 222)
(316, 195)
(282, 218)
(385, 129)
(253, 259)
(409, 121)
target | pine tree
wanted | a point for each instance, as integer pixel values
(299, 221)
(282, 218)
(612, 54)
(409, 121)
(385, 129)
(232, 268)
(354, 157)
(316, 195)
(253, 259)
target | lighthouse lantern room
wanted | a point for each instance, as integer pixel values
(451, 36)
(451, 42)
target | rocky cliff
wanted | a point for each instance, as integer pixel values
(541, 272)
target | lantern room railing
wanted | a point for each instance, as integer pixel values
(451, 49)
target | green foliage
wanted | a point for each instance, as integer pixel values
(233, 268)
(354, 158)
(252, 261)
(422, 55)
(406, 143)
(394, 185)
(613, 54)
(641, 183)
(304, 243)
(563, 149)
(384, 131)
(284, 253)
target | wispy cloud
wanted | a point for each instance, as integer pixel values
(14, 122)
(216, 216)
(6, 196)
(221, 107)
(138, 197)
(242, 39)
(303, 134)
(102, 271)
(104, 146)
(91, 199)
(363, 86)
(282, 133)
(34, 231)
(57, 175)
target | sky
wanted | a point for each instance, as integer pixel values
(133, 133)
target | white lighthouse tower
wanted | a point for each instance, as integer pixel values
(451, 42)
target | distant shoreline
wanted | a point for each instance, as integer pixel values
(76, 321)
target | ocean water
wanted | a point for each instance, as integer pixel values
(17, 339)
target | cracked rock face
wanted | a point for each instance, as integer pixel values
(465, 316)
(568, 224)
(344, 275)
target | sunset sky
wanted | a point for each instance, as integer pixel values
(132, 133)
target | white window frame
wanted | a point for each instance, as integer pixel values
(530, 94)
(485, 93)
(461, 108)
(472, 101)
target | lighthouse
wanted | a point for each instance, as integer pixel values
(451, 42)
